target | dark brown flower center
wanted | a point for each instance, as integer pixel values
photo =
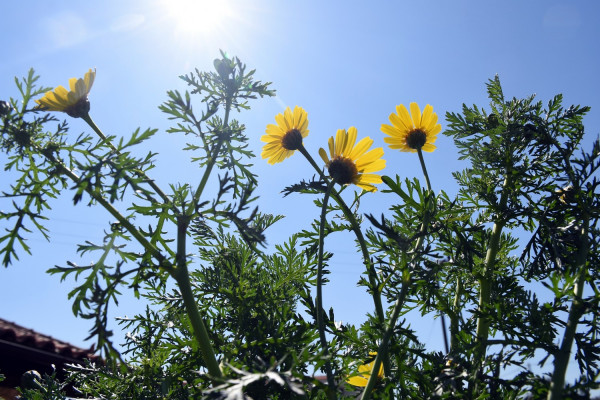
(416, 139)
(79, 109)
(292, 140)
(342, 170)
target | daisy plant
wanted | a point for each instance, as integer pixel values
(412, 132)
(229, 87)
(225, 315)
(348, 163)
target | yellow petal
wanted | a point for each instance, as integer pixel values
(271, 138)
(394, 140)
(61, 92)
(370, 178)
(403, 125)
(428, 147)
(289, 119)
(404, 117)
(323, 155)
(274, 130)
(431, 123)
(48, 100)
(369, 188)
(340, 140)
(296, 116)
(72, 98)
(331, 147)
(359, 381)
(361, 147)
(60, 102)
(416, 114)
(350, 140)
(80, 89)
(426, 117)
(391, 130)
(73, 84)
(436, 129)
(372, 166)
(280, 119)
(272, 146)
(89, 78)
(371, 156)
(303, 125)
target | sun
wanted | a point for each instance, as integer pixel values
(198, 16)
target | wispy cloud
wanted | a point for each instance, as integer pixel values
(65, 29)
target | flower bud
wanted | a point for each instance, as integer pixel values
(5, 108)
(223, 67)
(492, 121)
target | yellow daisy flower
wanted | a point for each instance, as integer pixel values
(409, 133)
(74, 102)
(352, 163)
(365, 373)
(285, 137)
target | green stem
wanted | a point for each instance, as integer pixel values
(182, 276)
(149, 247)
(485, 286)
(561, 360)
(319, 301)
(485, 280)
(424, 168)
(138, 172)
(383, 346)
(430, 197)
(454, 317)
(371, 273)
(211, 161)
(485, 291)
(180, 273)
(406, 281)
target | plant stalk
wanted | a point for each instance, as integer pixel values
(182, 276)
(485, 285)
(319, 300)
(371, 273)
(211, 161)
(138, 172)
(149, 247)
(454, 317)
(561, 360)
(382, 352)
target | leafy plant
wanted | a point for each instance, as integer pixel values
(510, 263)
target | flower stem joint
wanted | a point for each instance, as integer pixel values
(79, 109)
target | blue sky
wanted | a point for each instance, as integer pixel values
(347, 63)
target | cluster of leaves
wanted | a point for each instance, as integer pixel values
(504, 261)
(529, 178)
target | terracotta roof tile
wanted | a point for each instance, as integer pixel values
(11, 332)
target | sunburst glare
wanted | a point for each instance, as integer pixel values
(198, 17)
